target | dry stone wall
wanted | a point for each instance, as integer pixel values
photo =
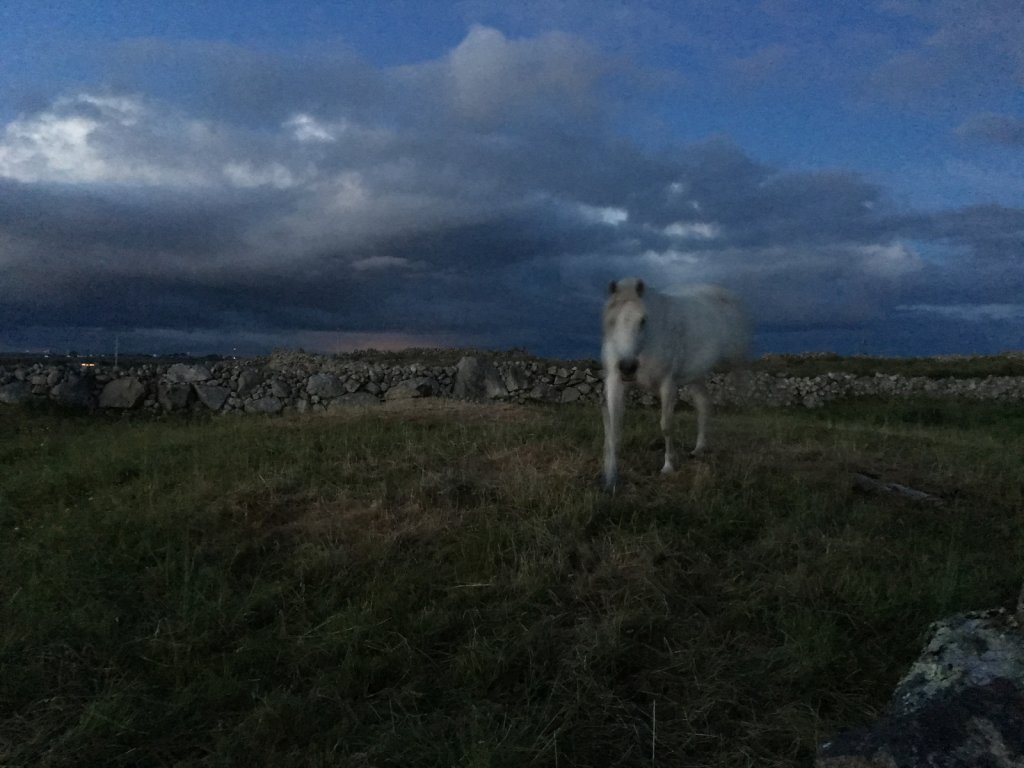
(297, 382)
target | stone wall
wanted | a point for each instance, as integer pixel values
(297, 382)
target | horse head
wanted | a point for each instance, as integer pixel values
(625, 326)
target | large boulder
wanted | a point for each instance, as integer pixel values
(126, 392)
(422, 386)
(477, 379)
(325, 385)
(264, 405)
(173, 396)
(248, 380)
(516, 378)
(15, 392)
(75, 392)
(183, 373)
(211, 395)
(960, 706)
(355, 399)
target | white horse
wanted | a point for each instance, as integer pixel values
(662, 341)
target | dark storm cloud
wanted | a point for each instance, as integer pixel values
(484, 195)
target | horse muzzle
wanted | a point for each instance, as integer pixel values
(627, 369)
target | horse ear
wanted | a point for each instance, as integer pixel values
(639, 287)
(613, 287)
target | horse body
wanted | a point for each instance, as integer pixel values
(662, 341)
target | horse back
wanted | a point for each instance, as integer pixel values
(711, 330)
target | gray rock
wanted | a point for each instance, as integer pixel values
(476, 379)
(545, 393)
(355, 399)
(248, 380)
(325, 385)
(421, 386)
(516, 379)
(127, 392)
(264, 405)
(15, 392)
(280, 388)
(570, 395)
(183, 373)
(172, 396)
(961, 705)
(75, 392)
(212, 396)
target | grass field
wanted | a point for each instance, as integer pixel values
(442, 584)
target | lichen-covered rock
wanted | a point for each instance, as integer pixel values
(961, 705)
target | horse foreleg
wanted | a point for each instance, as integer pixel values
(702, 403)
(667, 392)
(614, 405)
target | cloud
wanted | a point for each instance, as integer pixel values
(490, 78)
(973, 53)
(485, 195)
(995, 129)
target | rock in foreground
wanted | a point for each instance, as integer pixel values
(960, 706)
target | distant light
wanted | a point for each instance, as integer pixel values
(88, 365)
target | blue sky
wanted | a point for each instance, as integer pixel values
(210, 177)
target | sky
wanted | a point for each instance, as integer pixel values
(238, 177)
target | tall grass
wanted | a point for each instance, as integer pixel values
(443, 584)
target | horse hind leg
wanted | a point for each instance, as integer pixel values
(668, 392)
(702, 404)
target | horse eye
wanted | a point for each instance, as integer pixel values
(643, 322)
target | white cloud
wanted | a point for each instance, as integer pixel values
(247, 175)
(609, 215)
(894, 260)
(306, 128)
(699, 230)
(90, 139)
(491, 76)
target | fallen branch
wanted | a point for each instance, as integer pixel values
(870, 484)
